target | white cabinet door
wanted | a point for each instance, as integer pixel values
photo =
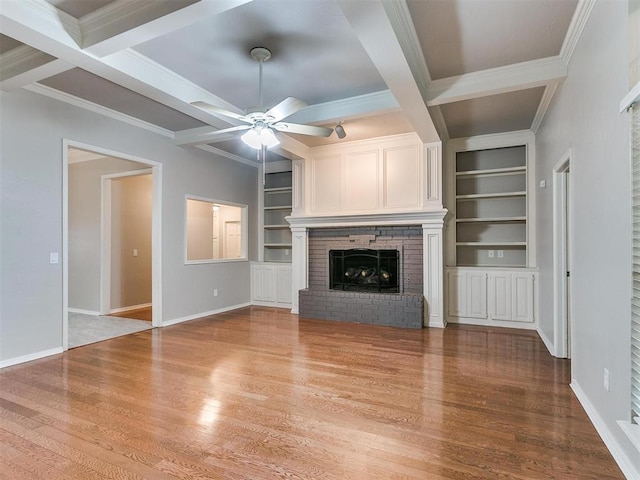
(283, 283)
(457, 294)
(500, 298)
(263, 279)
(477, 294)
(522, 297)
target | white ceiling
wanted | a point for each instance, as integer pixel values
(444, 69)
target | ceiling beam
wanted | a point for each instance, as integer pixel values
(125, 23)
(379, 33)
(494, 81)
(23, 65)
(40, 25)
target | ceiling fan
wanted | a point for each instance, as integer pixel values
(261, 124)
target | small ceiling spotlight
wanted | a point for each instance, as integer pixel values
(340, 131)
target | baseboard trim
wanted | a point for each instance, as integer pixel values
(28, 358)
(610, 441)
(547, 343)
(129, 308)
(82, 311)
(195, 316)
(484, 322)
(271, 304)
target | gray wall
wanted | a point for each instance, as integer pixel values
(84, 228)
(131, 229)
(584, 116)
(33, 127)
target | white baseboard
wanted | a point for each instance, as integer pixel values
(129, 308)
(80, 310)
(204, 314)
(485, 322)
(271, 304)
(32, 356)
(547, 343)
(609, 439)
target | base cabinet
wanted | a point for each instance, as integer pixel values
(490, 297)
(271, 284)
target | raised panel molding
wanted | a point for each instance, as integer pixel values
(361, 178)
(433, 180)
(297, 196)
(477, 295)
(326, 183)
(401, 177)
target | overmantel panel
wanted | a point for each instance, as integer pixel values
(380, 175)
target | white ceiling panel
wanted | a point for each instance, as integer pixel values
(463, 36)
(494, 114)
(316, 56)
(90, 87)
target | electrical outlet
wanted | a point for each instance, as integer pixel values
(53, 257)
(607, 380)
(500, 253)
(135, 252)
(286, 252)
(492, 253)
(215, 292)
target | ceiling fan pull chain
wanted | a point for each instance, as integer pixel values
(264, 160)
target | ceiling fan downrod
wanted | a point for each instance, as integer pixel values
(260, 55)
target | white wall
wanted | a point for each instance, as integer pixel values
(84, 227)
(584, 116)
(33, 128)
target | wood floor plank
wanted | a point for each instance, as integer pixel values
(259, 394)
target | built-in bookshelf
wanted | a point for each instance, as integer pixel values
(277, 206)
(491, 207)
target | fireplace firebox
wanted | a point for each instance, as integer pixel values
(364, 270)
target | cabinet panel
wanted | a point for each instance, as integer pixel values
(523, 295)
(361, 181)
(283, 284)
(401, 177)
(477, 299)
(326, 183)
(500, 298)
(457, 294)
(263, 282)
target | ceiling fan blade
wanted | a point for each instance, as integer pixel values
(303, 129)
(220, 111)
(286, 107)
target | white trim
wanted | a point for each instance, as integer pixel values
(578, 22)
(547, 342)
(65, 245)
(196, 316)
(630, 98)
(28, 358)
(95, 108)
(83, 311)
(230, 156)
(545, 102)
(607, 436)
(486, 322)
(631, 430)
(433, 217)
(560, 260)
(130, 308)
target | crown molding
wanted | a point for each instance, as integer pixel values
(95, 108)
(440, 124)
(494, 81)
(578, 22)
(545, 102)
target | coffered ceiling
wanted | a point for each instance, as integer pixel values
(442, 68)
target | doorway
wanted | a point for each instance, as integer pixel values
(562, 256)
(89, 243)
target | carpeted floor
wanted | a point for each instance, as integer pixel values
(85, 329)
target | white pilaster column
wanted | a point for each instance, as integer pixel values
(433, 273)
(299, 263)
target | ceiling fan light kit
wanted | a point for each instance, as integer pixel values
(262, 123)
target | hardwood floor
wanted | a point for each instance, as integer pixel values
(137, 314)
(258, 394)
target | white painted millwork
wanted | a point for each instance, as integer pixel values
(496, 297)
(271, 284)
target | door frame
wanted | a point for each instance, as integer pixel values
(105, 234)
(156, 230)
(561, 249)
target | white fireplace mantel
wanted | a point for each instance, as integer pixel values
(424, 217)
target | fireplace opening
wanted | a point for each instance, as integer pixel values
(364, 270)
